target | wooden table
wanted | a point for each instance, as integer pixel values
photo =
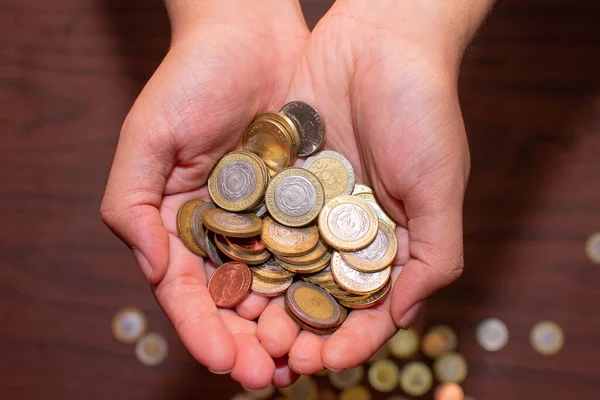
(69, 71)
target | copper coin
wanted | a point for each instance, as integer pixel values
(251, 245)
(230, 284)
(312, 305)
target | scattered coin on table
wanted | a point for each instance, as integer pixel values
(129, 324)
(438, 340)
(384, 375)
(449, 391)
(416, 378)
(346, 378)
(592, 248)
(450, 367)
(151, 349)
(404, 344)
(492, 334)
(547, 338)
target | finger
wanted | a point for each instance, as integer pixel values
(184, 297)
(254, 368)
(403, 254)
(284, 376)
(252, 306)
(305, 354)
(276, 330)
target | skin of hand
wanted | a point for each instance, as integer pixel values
(384, 77)
(229, 61)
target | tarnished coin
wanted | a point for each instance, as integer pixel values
(305, 388)
(368, 300)
(450, 367)
(214, 254)
(286, 241)
(334, 171)
(348, 223)
(129, 325)
(309, 124)
(307, 268)
(272, 270)
(269, 287)
(416, 379)
(184, 226)
(151, 349)
(271, 142)
(237, 182)
(294, 197)
(358, 392)
(232, 224)
(492, 334)
(592, 248)
(230, 284)
(198, 228)
(346, 378)
(449, 391)
(311, 257)
(547, 338)
(355, 281)
(251, 245)
(376, 256)
(360, 188)
(288, 124)
(247, 258)
(384, 376)
(438, 340)
(374, 203)
(404, 344)
(312, 305)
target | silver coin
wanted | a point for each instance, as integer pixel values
(354, 280)
(337, 177)
(198, 230)
(261, 210)
(451, 367)
(309, 124)
(348, 222)
(547, 337)
(377, 249)
(492, 334)
(236, 181)
(295, 196)
(212, 251)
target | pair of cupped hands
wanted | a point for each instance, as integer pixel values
(383, 75)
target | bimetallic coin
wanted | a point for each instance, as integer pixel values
(151, 349)
(348, 223)
(346, 378)
(368, 300)
(232, 224)
(492, 334)
(286, 241)
(547, 338)
(358, 392)
(404, 344)
(384, 376)
(271, 142)
(323, 276)
(374, 203)
(449, 391)
(251, 245)
(592, 248)
(376, 256)
(360, 188)
(309, 124)
(198, 229)
(309, 258)
(129, 324)
(212, 250)
(438, 340)
(184, 226)
(334, 171)
(416, 379)
(264, 393)
(247, 258)
(272, 270)
(309, 328)
(307, 268)
(305, 388)
(312, 305)
(288, 124)
(355, 281)
(450, 367)
(230, 284)
(269, 287)
(294, 197)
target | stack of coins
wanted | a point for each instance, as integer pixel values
(270, 222)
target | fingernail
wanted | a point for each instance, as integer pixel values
(409, 316)
(220, 372)
(143, 263)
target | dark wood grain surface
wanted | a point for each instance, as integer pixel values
(70, 70)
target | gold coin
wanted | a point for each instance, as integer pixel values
(592, 248)
(185, 229)
(286, 241)
(355, 281)
(271, 142)
(450, 367)
(323, 276)
(348, 223)
(346, 378)
(232, 224)
(272, 270)
(376, 256)
(309, 258)
(307, 268)
(269, 287)
(449, 391)
(334, 171)
(404, 344)
(368, 300)
(416, 379)
(129, 325)
(237, 182)
(289, 126)
(360, 188)
(374, 203)
(305, 388)
(358, 392)
(438, 340)
(384, 376)
(547, 338)
(246, 258)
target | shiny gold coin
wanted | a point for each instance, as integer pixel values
(358, 392)
(348, 223)
(185, 229)
(269, 287)
(547, 338)
(323, 276)
(286, 241)
(346, 378)
(355, 281)
(416, 379)
(232, 224)
(450, 367)
(272, 270)
(376, 256)
(384, 376)
(237, 182)
(404, 344)
(360, 188)
(271, 142)
(289, 126)
(449, 391)
(592, 248)
(305, 388)
(334, 171)
(374, 203)
(368, 300)
(307, 268)
(246, 258)
(317, 253)
(129, 325)
(438, 340)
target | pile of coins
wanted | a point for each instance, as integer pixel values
(270, 223)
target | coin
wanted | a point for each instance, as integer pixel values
(271, 142)
(232, 224)
(286, 241)
(309, 124)
(376, 256)
(368, 300)
(212, 250)
(129, 324)
(592, 248)
(184, 226)
(288, 124)
(358, 392)
(264, 393)
(294, 197)
(360, 188)
(319, 277)
(251, 245)
(237, 182)
(305, 388)
(492, 334)
(449, 391)
(261, 210)
(450, 367)
(307, 268)
(317, 253)
(334, 171)
(416, 379)
(271, 269)
(547, 338)
(404, 344)
(438, 340)
(151, 349)
(229, 284)
(374, 203)
(312, 305)
(355, 281)
(306, 327)
(198, 229)
(247, 258)
(348, 223)
(346, 378)
(269, 287)
(384, 376)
